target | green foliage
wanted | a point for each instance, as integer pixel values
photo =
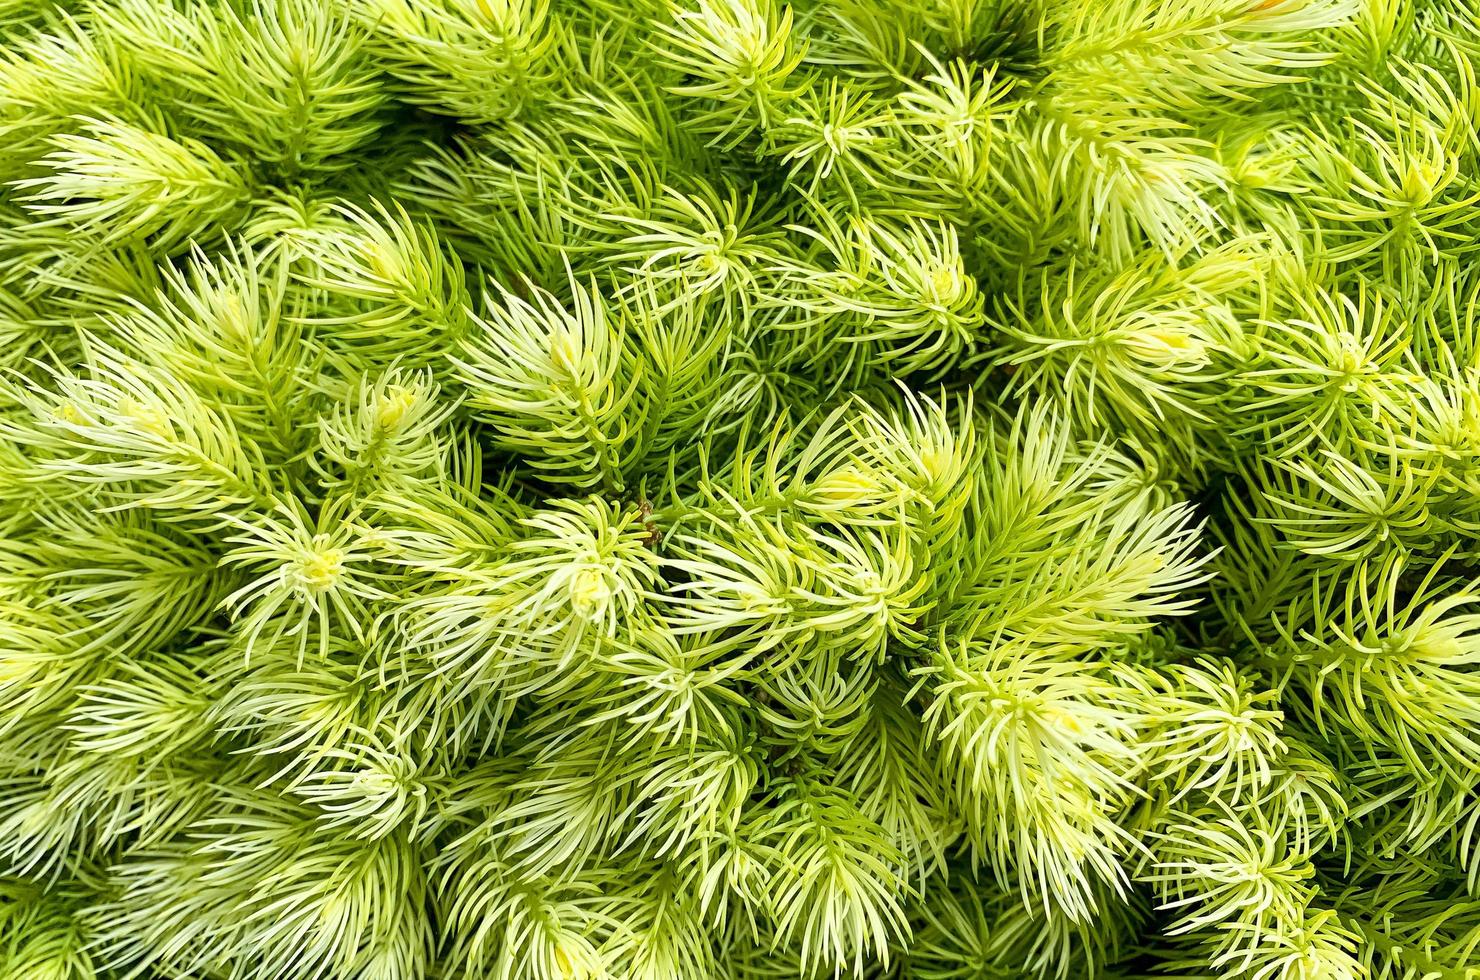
(738, 490)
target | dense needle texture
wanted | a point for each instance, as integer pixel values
(736, 490)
